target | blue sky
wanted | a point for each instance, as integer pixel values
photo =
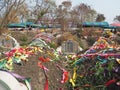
(110, 8)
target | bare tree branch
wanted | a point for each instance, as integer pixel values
(10, 6)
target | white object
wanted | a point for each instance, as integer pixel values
(8, 82)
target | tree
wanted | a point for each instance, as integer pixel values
(100, 18)
(9, 10)
(63, 14)
(83, 12)
(50, 16)
(17, 15)
(42, 9)
(67, 4)
(91, 16)
(117, 18)
(23, 12)
(74, 18)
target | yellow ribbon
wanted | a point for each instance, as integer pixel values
(118, 60)
(73, 79)
(9, 64)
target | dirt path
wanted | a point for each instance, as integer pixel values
(31, 69)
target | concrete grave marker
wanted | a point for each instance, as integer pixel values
(70, 47)
(7, 41)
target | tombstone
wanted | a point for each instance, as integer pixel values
(70, 47)
(7, 42)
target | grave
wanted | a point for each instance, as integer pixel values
(7, 41)
(70, 47)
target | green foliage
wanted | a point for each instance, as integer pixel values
(92, 74)
(52, 45)
(24, 40)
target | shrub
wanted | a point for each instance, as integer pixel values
(91, 40)
(24, 40)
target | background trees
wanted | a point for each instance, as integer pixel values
(10, 11)
(100, 18)
(63, 14)
(46, 12)
(42, 10)
(117, 18)
(82, 13)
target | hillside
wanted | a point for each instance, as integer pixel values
(44, 66)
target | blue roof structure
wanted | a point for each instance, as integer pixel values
(95, 24)
(25, 24)
(109, 27)
(16, 25)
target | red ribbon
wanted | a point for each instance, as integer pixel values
(11, 53)
(110, 82)
(46, 85)
(64, 76)
(42, 67)
(44, 59)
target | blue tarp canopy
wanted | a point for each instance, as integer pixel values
(109, 27)
(95, 24)
(25, 24)
(31, 24)
(16, 25)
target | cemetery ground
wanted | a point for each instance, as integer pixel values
(31, 70)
